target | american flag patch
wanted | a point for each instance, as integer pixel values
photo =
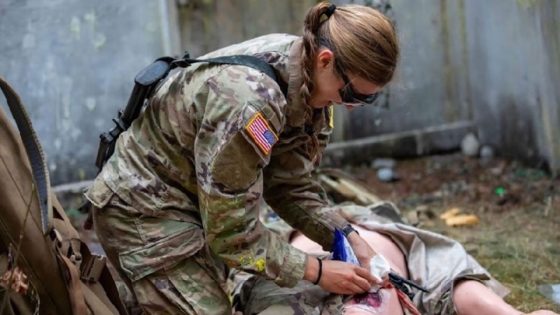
(261, 133)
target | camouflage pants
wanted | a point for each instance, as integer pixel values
(163, 259)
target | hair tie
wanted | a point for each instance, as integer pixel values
(330, 10)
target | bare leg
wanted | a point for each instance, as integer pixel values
(474, 298)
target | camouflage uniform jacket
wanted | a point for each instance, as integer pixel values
(216, 140)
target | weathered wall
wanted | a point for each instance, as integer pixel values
(514, 67)
(73, 62)
(427, 90)
(496, 63)
(209, 24)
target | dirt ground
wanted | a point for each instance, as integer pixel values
(518, 236)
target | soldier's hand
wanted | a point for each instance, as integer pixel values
(344, 278)
(340, 277)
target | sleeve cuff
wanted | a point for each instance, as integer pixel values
(293, 268)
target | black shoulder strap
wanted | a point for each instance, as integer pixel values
(241, 60)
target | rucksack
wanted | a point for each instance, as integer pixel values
(45, 268)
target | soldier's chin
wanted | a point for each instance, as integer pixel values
(328, 103)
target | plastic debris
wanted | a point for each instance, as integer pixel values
(500, 191)
(386, 174)
(486, 153)
(470, 145)
(551, 291)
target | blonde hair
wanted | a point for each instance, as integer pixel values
(363, 40)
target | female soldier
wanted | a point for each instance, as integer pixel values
(178, 201)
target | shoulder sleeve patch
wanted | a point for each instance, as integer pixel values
(260, 132)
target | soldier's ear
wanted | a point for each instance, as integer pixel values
(324, 59)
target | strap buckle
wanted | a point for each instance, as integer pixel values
(92, 268)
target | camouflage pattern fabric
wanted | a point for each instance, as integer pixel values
(192, 175)
(434, 261)
(151, 254)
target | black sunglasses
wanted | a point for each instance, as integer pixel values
(349, 96)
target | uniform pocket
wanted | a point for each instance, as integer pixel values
(185, 240)
(99, 194)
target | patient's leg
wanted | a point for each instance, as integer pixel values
(473, 297)
(380, 244)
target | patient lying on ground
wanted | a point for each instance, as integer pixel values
(457, 284)
(470, 297)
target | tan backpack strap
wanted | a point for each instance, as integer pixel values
(75, 290)
(96, 273)
(97, 301)
(93, 269)
(82, 298)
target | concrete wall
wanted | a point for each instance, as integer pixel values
(495, 63)
(205, 25)
(427, 90)
(73, 63)
(514, 70)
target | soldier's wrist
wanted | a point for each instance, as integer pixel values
(348, 229)
(311, 269)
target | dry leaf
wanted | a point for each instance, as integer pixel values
(462, 220)
(450, 213)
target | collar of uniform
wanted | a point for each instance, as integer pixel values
(296, 110)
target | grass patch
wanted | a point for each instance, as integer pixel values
(517, 239)
(520, 248)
